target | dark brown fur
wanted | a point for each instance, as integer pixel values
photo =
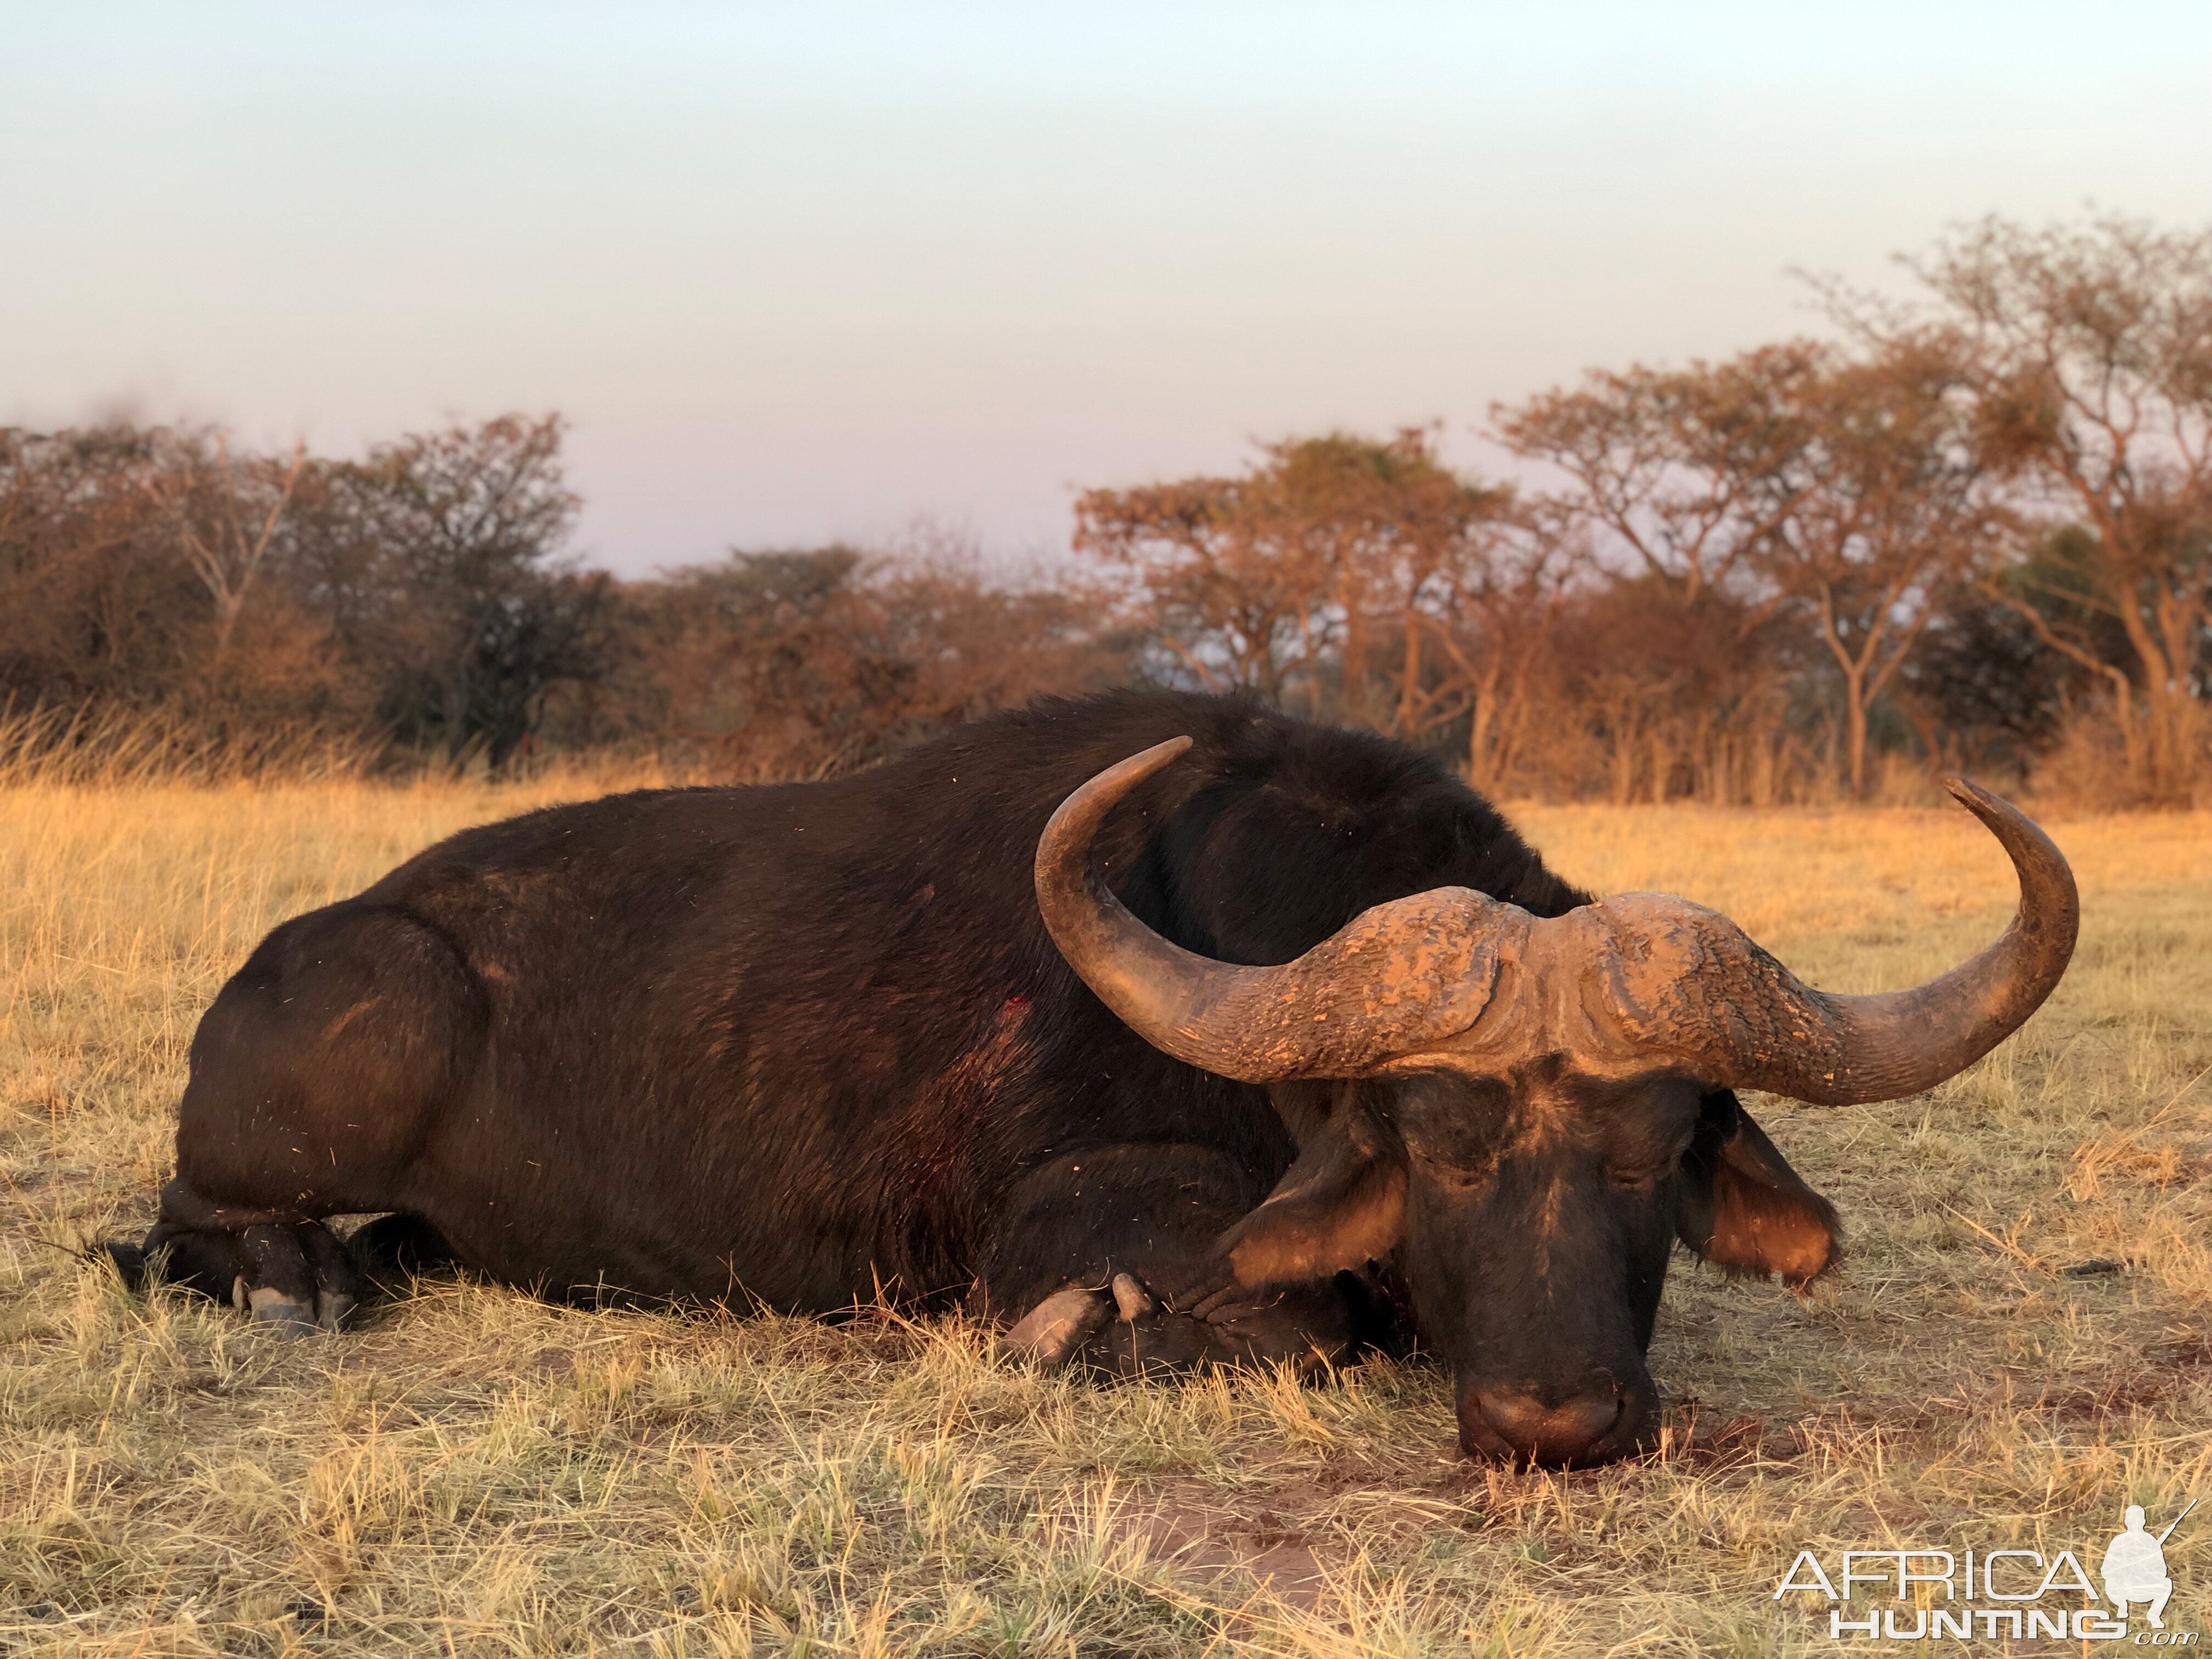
(802, 1044)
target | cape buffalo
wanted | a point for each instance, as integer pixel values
(1172, 1028)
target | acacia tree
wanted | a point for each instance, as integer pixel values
(1682, 477)
(1494, 630)
(804, 663)
(1884, 504)
(439, 561)
(1231, 587)
(1402, 540)
(132, 573)
(1331, 564)
(91, 607)
(1688, 471)
(225, 514)
(2087, 351)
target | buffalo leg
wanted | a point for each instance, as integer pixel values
(1049, 1333)
(393, 1249)
(295, 1278)
(1097, 1245)
(317, 1076)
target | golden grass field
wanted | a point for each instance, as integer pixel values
(471, 1473)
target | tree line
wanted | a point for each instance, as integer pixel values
(1973, 530)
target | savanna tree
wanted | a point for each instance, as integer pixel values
(2087, 351)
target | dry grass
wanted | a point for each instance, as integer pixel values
(120, 747)
(471, 1473)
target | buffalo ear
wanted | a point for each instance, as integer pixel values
(1741, 1207)
(1340, 1206)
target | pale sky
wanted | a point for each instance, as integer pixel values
(813, 270)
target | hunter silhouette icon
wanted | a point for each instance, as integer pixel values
(2134, 1566)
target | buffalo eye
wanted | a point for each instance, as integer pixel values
(1642, 1176)
(1453, 1121)
(1651, 1133)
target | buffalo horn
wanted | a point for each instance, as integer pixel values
(1739, 1017)
(1673, 983)
(1398, 976)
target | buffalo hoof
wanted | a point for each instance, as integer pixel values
(1132, 1300)
(293, 1276)
(267, 1306)
(331, 1307)
(128, 1261)
(1057, 1326)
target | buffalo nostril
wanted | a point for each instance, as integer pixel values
(1550, 1434)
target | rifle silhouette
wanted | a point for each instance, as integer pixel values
(2176, 1521)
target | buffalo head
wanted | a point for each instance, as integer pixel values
(1523, 1112)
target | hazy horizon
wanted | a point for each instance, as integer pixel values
(807, 275)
